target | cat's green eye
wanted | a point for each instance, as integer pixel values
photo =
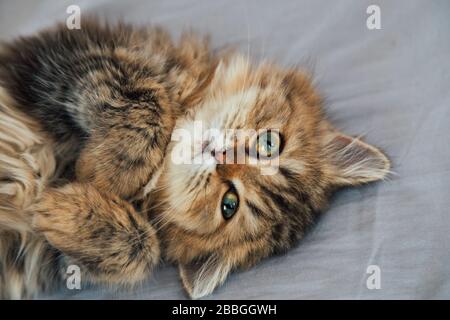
(230, 204)
(268, 144)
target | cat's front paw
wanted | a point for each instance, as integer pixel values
(102, 232)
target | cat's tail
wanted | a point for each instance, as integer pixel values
(27, 164)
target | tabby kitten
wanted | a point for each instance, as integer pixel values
(102, 103)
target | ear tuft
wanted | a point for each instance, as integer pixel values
(200, 278)
(353, 161)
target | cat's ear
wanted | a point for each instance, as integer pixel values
(351, 161)
(200, 278)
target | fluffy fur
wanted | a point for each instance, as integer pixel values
(86, 175)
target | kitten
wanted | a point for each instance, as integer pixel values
(92, 113)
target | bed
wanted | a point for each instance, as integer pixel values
(388, 240)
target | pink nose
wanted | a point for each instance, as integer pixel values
(220, 156)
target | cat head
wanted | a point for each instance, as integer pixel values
(217, 215)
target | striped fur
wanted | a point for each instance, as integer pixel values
(85, 147)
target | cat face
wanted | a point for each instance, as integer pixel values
(218, 213)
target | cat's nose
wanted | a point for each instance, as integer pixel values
(219, 156)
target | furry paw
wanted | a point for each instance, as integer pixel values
(102, 232)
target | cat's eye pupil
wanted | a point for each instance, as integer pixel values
(268, 144)
(230, 203)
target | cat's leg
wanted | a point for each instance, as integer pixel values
(99, 232)
(129, 133)
(124, 152)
